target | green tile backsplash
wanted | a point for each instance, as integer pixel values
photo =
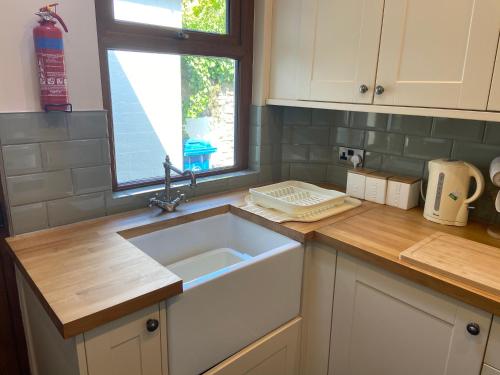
(393, 143)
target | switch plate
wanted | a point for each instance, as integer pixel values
(346, 153)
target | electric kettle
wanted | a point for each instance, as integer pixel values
(447, 200)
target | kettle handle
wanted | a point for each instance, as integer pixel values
(478, 176)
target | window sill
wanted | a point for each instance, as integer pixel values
(205, 185)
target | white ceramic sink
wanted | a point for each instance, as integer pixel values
(241, 281)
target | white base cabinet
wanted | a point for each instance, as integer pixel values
(383, 324)
(132, 346)
(123, 347)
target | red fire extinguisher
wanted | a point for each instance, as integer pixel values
(50, 60)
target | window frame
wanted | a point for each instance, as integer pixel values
(237, 44)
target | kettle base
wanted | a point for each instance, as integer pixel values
(445, 222)
(494, 231)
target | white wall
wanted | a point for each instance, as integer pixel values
(18, 77)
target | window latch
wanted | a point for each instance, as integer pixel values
(181, 35)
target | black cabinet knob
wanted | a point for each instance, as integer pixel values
(363, 89)
(473, 329)
(379, 90)
(152, 325)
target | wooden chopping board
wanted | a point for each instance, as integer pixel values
(464, 260)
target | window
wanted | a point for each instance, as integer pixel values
(177, 81)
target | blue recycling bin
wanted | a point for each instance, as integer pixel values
(197, 155)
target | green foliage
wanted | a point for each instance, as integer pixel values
(204, 77)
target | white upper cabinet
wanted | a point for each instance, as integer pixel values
(339, 44)
(438, 53)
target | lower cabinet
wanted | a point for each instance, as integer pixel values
(275, 354)
(137, 345)
(131, 345)
(384, 324)
(492, 357)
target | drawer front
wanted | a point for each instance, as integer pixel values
(493, 349)
(274, 354)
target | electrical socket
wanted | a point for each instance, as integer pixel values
(346, 153)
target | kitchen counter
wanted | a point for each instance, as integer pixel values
(87, 274)
(379, 235)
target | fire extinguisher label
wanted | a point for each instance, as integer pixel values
(52, 73)
(49, 43)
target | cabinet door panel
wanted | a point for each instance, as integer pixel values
(383, 324)
(284, 49)
(317, 303)
(339, 48)
(494, 101)
(438, 53)
(125, 346)
(492, 357)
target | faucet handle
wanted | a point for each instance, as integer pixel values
(182, 196)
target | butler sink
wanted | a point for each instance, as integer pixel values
(241, 281)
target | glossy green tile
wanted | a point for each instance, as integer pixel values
(29, 218)
(308, 172)
(22, 159)
(403, 166)
(295, 152)
(317, 135)
(296, 116)
(320, 153)
(88, 125)
(16, 128)
(427, 148)
(373, 160)
(328, 118)
(478, 154)
(348, 137)
(492, 133)
(376, 121)
(337, 174)
(415, 125)
(286, 135)
(387, 143)
(285, 171)
(468, 130)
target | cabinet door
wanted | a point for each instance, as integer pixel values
(275, 354)
(284, 64)
(317, 303)
(126, 347)
(494, 101)
(492, 357)
(383, 324)
(438, 53)
(339, 48)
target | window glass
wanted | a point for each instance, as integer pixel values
(201, 15)
(183, 105)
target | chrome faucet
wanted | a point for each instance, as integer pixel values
(166, 200)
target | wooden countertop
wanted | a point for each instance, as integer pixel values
(87, 274)
(379, 235)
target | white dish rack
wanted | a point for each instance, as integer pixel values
(297, 198)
